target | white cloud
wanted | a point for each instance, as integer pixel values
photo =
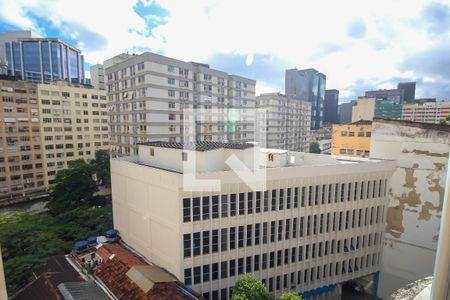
(293, 31)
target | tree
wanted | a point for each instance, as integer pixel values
(290, 296)
(73, 187)
(250, 288)
(447, 118)
(314, 147)
(102, 167)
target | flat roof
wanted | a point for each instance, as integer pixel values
(199, 146)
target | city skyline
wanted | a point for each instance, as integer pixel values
(340, 48)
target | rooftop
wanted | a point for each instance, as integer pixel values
(200, 146)
(429, 126)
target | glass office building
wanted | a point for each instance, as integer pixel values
(42, 60)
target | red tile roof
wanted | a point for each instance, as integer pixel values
(113, 274)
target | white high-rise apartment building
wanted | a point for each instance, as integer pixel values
(317, 222)
(283, 122)
(97, 73)
(157, 98)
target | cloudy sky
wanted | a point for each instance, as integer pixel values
(359, 45)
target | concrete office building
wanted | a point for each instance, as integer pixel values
(427, 112)
(74, 124)
(315, 221)
(42, 60)
(282, 122)
(153, 97)
(416, 199)
(21, 156)
(97, 73)
(330, 111)
(309, 85)
(345, 112)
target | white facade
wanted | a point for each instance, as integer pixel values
(282, 122)
(318, 222)
(98, 76)
(157, 98)
(415, 199)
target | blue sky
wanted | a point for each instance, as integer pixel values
(359, 45)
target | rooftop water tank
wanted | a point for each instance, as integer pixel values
(81, 245)
(110, 234)
(92, 240)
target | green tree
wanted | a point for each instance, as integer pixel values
(250, 288)
(73, 187)
(290, 296)
(314, 147)
(102, 167)
(447, 118)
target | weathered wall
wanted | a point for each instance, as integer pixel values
(416, 198)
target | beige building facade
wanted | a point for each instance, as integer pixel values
(317, 222)
(21, 152)
(74, 124)
(282, 122)
(153, 97)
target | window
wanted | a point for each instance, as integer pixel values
(188, 276)
(187, 244)
(205, 208)
(241, 204)
(250, 202)
(249, 235)
(196, 243)
(215, 207)
(232, 205)
(186, 210)
(224, 206)
(196, 209)
(215, 240)
(152, 151)
(184, 156)
(205, 242)
(240, 236)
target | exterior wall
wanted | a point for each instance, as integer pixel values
(168, 225)
(74, 124)
(388, 109)
(98, 76)
(351, 140)
(146, 212)
(364, 109)
(415, 199)
(153, 98)
(433, 112)
(21, 155)
(282, 122)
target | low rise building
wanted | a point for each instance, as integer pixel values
(283, 122)
(351, 139)
(302, 222)
(363, 109)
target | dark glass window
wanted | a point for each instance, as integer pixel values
(240, 266)
(232, 238)
(232, 205)
(250, 202)
(241, 236)
(187, 244)
(205, 273)
(266, 201)
(241, 204)
(274, 200)
(288, 198)
(206, 242)
(257, 233)
(258, 202)
(215, 271)
(197, 243)
(272, 259)
(223, 269)
(288, 227)
(188, 276)
(223, 239)
(249, 235)
(196, 209)
(280, 230)
(186, 210)
(296, 197)
(272, 231)
(248, 264)
(205, 208)
(232, 267)
(265, 233)
(281, 199)
(215, 240)
(215, 206)
(224, 206)
(197, 275)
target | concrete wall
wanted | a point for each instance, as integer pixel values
(416, 198)
(364, 109)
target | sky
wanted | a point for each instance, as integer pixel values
(359, 45)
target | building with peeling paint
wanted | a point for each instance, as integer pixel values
(416, 196)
